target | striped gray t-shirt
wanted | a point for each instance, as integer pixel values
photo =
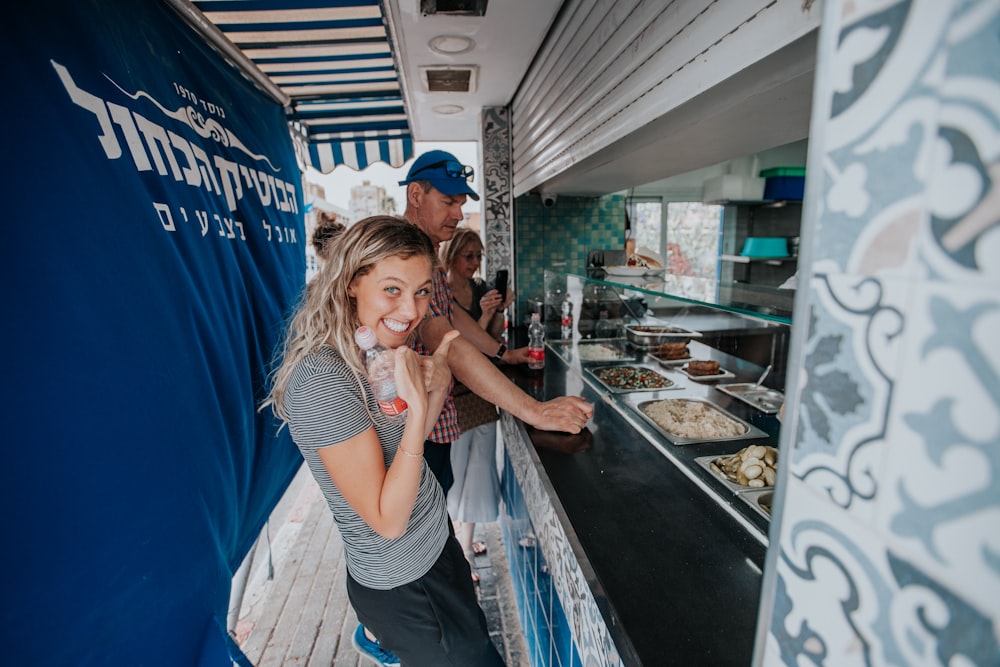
(326, 406)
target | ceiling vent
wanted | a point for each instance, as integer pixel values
(457, 79)
(453, 7)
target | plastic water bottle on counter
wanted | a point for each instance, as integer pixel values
(380, 365)
(566, 329)
(536, 343)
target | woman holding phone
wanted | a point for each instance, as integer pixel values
(474, 497)
(407, 578)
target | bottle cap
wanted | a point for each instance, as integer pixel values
(365, 338)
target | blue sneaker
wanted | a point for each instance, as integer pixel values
(372, 650)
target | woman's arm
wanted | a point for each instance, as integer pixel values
(384, 497)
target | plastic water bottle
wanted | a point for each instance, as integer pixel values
(536, 343)
(380, 364)
(566, 330)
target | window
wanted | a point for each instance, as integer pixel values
(692, 243)
(688, 241)
(647, 224)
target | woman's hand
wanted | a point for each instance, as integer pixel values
(491, 302)
(436, 374)
(509, 299)
(410, 378)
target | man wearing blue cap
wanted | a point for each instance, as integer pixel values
(437, 186)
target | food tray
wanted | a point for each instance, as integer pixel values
(723, 374)
(632, 368)
(651, 336)
(761, 500)
(671, 364)
(602, 352)
(706, 463)
(766, 400)
(750, 432)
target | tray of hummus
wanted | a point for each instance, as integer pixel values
(685, 421)
(623, 379)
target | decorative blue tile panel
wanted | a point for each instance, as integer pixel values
(886, 538)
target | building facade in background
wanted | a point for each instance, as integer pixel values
(368, 200)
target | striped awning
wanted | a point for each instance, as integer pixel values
(331, 64)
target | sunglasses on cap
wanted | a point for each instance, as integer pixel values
(453, 168)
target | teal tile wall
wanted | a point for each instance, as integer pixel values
(564, 233)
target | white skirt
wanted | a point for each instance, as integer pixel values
(474, 497)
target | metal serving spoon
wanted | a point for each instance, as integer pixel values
(762, 376)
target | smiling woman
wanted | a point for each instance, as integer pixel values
(389, 508)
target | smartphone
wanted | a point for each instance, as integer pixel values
(500, 282)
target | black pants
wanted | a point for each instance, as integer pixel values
(438, 457)
(434, 621)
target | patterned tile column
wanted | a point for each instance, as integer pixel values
(885, 548)
(498, 223)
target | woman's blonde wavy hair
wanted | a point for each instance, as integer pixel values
(326, 315)
(452, 248)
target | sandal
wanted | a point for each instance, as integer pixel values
(475, 579)
(479, 548)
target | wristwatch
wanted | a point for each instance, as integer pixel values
(499, 355)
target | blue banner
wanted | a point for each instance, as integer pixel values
(153, 245)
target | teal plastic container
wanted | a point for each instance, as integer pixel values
(765, 246)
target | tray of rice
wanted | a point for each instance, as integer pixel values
(601, 352)
(622, 379)
(685, 421)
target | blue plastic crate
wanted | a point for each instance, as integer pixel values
(784, 187)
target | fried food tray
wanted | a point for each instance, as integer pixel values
(723, 374)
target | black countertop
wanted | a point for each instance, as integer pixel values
(677, 573)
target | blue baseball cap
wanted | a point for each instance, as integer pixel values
(445, 173)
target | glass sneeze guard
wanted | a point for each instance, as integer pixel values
(766, 303)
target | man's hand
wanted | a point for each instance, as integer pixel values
(518, 356)
(568, 414)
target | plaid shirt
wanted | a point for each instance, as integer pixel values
(446, 429)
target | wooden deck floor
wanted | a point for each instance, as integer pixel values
(295, 611)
